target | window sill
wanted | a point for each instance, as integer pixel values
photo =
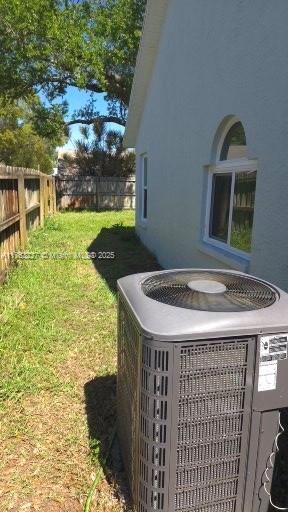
(235, 261)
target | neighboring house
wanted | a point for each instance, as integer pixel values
(209, 119)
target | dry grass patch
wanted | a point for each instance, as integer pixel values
(58, 366)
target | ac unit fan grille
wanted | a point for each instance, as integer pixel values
(232, 292)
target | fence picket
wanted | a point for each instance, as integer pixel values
(23, 193)
(97, 192)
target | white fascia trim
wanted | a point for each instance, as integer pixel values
(152, 29)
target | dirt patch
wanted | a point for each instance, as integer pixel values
(46, 463)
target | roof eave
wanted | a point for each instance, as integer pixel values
(152, 29)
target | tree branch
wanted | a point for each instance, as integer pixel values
(104, 119)
(93, 87)
(67, 81)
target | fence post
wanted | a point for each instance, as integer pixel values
(22, 209)
(41, 189)
(49, 196)
(45, 197)
(54, 195)
(97, 185)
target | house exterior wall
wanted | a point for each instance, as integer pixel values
(216, 59)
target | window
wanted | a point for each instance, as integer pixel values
(144, 187)
(231, 194)
(234, 145)
(220, 206)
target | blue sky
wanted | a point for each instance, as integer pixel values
(76, 100)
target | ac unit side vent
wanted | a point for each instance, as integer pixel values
(129, 353)
(212, 384)
(213, 356)
(154, 421)
(224, 506)
(214, 404)
(206, 494)
(212, 472)
(210, 428)
(221, 379)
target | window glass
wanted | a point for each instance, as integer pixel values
(145, 204)
(221, 194)
(145, 171)
(243, 210)
(234, 146)
(145, 182)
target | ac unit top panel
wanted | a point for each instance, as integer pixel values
(192, 304)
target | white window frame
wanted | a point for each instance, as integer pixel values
(144, 157)
(225, 167)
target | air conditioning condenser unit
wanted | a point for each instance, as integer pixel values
(202, 379)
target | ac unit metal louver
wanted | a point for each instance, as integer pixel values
(202, 375)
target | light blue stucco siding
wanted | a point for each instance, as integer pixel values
(216, 58)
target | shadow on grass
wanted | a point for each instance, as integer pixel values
(100, 402)
(100, 393)
(131, 257)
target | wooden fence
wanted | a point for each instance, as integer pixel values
(26, 198)
(99, 193)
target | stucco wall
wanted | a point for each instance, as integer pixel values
(217, 58)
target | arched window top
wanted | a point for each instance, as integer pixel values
(234, 146)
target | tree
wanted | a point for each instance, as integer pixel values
(21, 145)
(102, 155)
(49, 45)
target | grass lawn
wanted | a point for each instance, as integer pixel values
(58, 363)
